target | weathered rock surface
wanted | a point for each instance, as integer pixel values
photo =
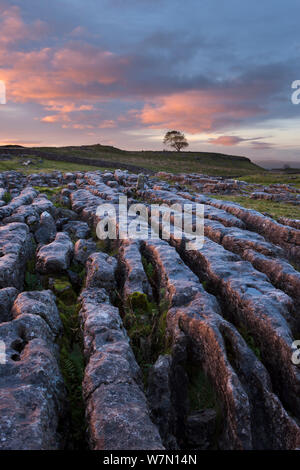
(295, 223)
(26, 197)
(221, 374)
(16, 248)
(111, 384)
(236, 240)
(248, 404)
(46, 231)
(180, 283)
(279, 271)
(283, 235)
(160, 400)
(32, 389)
(7, 297)
(201, 427)
(83, 249)
(253, 303)
(41, 303)
(101, 270)
(56, 256)
(77, 229)
(133, 271)
(85, 203)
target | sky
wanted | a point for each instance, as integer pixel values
(122, 73)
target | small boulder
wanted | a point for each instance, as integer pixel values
(46, 231)
(7, 297)
(101, 271)
(56, 256)
(40, 303)
(83, 249)
(77, 229)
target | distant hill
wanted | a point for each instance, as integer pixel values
(275, 164)
(151, 161)
(11, 146)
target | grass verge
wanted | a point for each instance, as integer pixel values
(275, 209)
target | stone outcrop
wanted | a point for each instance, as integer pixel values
(32, 389)
(56, 256)
(112, 385)
(101, 271)
(46, 231)
(279, 271)
(7, 297)
(83, 249)
(16, 248)
(255, 305)
(41, 304)
(77, 229)
(198, 354)
(283, 235)
(25, 197)
(132, 267)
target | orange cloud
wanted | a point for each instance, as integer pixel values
(53, 76)
(107, 124)
(71, 72)
(196, 111)
(231, 140)
(226, 140)
(13, 28)
(56, 118)
(69, 80)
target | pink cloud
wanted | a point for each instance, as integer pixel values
(197, 111)
(69, 82)
(70, 72)
(108, 124)
(262, 145)
(227, 140)
(231, 140)
(13, 28)
(56, 118)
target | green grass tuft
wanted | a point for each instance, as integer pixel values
(200, 391)
(146, 327)
(31, 281)
(72, 368)
(7, 197)
(250, 341)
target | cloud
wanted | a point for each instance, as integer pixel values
(226, 140)
(262, 145)
(20, 142)
(157, 80)
(108, 124)
(76, 70)
(199, 111)
(13, 29)
(232, 140)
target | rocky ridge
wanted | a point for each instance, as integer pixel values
(143, 344)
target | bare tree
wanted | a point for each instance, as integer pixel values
(176, 139)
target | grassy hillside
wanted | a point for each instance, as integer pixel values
(200, 162)
(270, 177)
(45, 166)
(211, 164)
(274, 209)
